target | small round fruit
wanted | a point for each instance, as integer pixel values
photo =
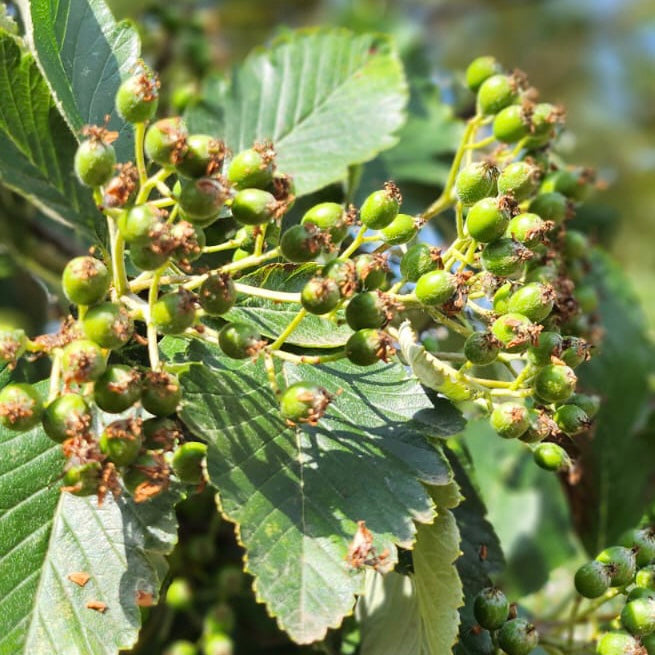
(589, 404)
(638, 616)
(174, 312)
(587, 298)
(190, 240)
(496, 93)
(380, 207)
(546, 273)
(571, 183)
(251, 168)
(179, 595)
(146, 477)
(85, 280)
(648, 642)
(202, 156)
(344, 273)
(121, 441)
(514, 331)
(491, 608)
(239, 340)
(481, 69)
(575, 351)
(303, 402)
(504, 257)
(554, 383)
(181, 647)
(137, 98)
(94, 162)
(320, 295)
(419, 260)
(475, 182)
(66, 416)
(501, 298)
(592, 579)
(646, 577)
(83, 361)
(622, 564)
(520, 179)
(301, 243)
(575, 245)
(20, 407)
(518, 637)
(146, 257)
(548, 344)
(165, 140)
(217, 294)
(109, 325)
(533, 300)
(481, 348)
(82, 479)
(487, 220)
(544, 120)
(571, 420)
(541, 427)
(161, 393)
(13, 343)
(510, 420)
(551, 457)
(436, 287)
(253, 206)
(644, 540)
(401, 230)
(160, 433)
(367, 310)
(371, 271)
(202, 199)
(618, 643)
(640, 592)
(188, 462)
(138, 222)
(511, 124)
(551, 206)
(218, 644)
(329, 217)
(527, 228)
(117, 389)
(219, 619)
(368, 346)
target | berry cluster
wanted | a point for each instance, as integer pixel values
(493, 612)
(628, 570)
(194, 218)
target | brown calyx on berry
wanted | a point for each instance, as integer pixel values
(393, 191)
(121, 187)
(385, 350)
(266, 152)
(100, 133)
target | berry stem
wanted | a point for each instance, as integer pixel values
(357, 241)
(449, 322)
(459, 220)
(293, 324)
(308, 359)
(260, 240)
(269, 294)
(151, 330)
(139, 155)
(149, 184)
(117, 247)
(269, 365)
(231, 244)
(55, 374)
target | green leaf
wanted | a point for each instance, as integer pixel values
(83, 54)
(296, 495)
(272, 317)
(613, 494)
(36, 147)
(327, 99)
(46, 535)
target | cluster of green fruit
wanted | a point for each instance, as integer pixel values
(627, 569)
(493, 612)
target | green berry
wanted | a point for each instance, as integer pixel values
(20, 407)
(161, 393)
(137, 98)
(587, 298)
(368, 346)
(219, 619)
(501, 298)
(481, 348)
(496, 93)
(401, 230)
(66, 416)
(13, 343)
(527, 228)
(504, 257)
(381, 207)
(514, 331)
(202, 156)
(592, 579)
(518, 637)
(575, 245)
(139, 222)
(301, 243)
(638, 616)
(644, 541)
(85, 280)
(344, 273)
(160, 433)
(487, 220)
(165, 140)
(218, 644)
(190, 240)
(367, 310)
(551, 206)
(510, 420)
(589, 404)
(179, 595)
(146, 476)
(109, 325)
(94, 162)
(648, 642)
(541, 427)
(436, 287)
(533, 300)
(554, 383)
(239, 340)
(481, 69)
(646, 577)
(303, 402)
(519, 179)
(548, 274)
(251, 168)
(181, 647)
(202, 198)
(83, 361)
(230, 581)
(575, 351)
(640, 592)
(320, 295)
(571, 183)
(475, 182)
(253, 206)
(419, 260)
(548, 345)
(622, 564)
(511, 124)
(82, 479)
(371, 271)
(618, 643)
(571, 420)
(217, 294)
(544, 120)
(117, 389)
(188, 462)
(329, 217)
(174, 312)
(491, 608)
(121, 441)
(551, 457)
(146, 257)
